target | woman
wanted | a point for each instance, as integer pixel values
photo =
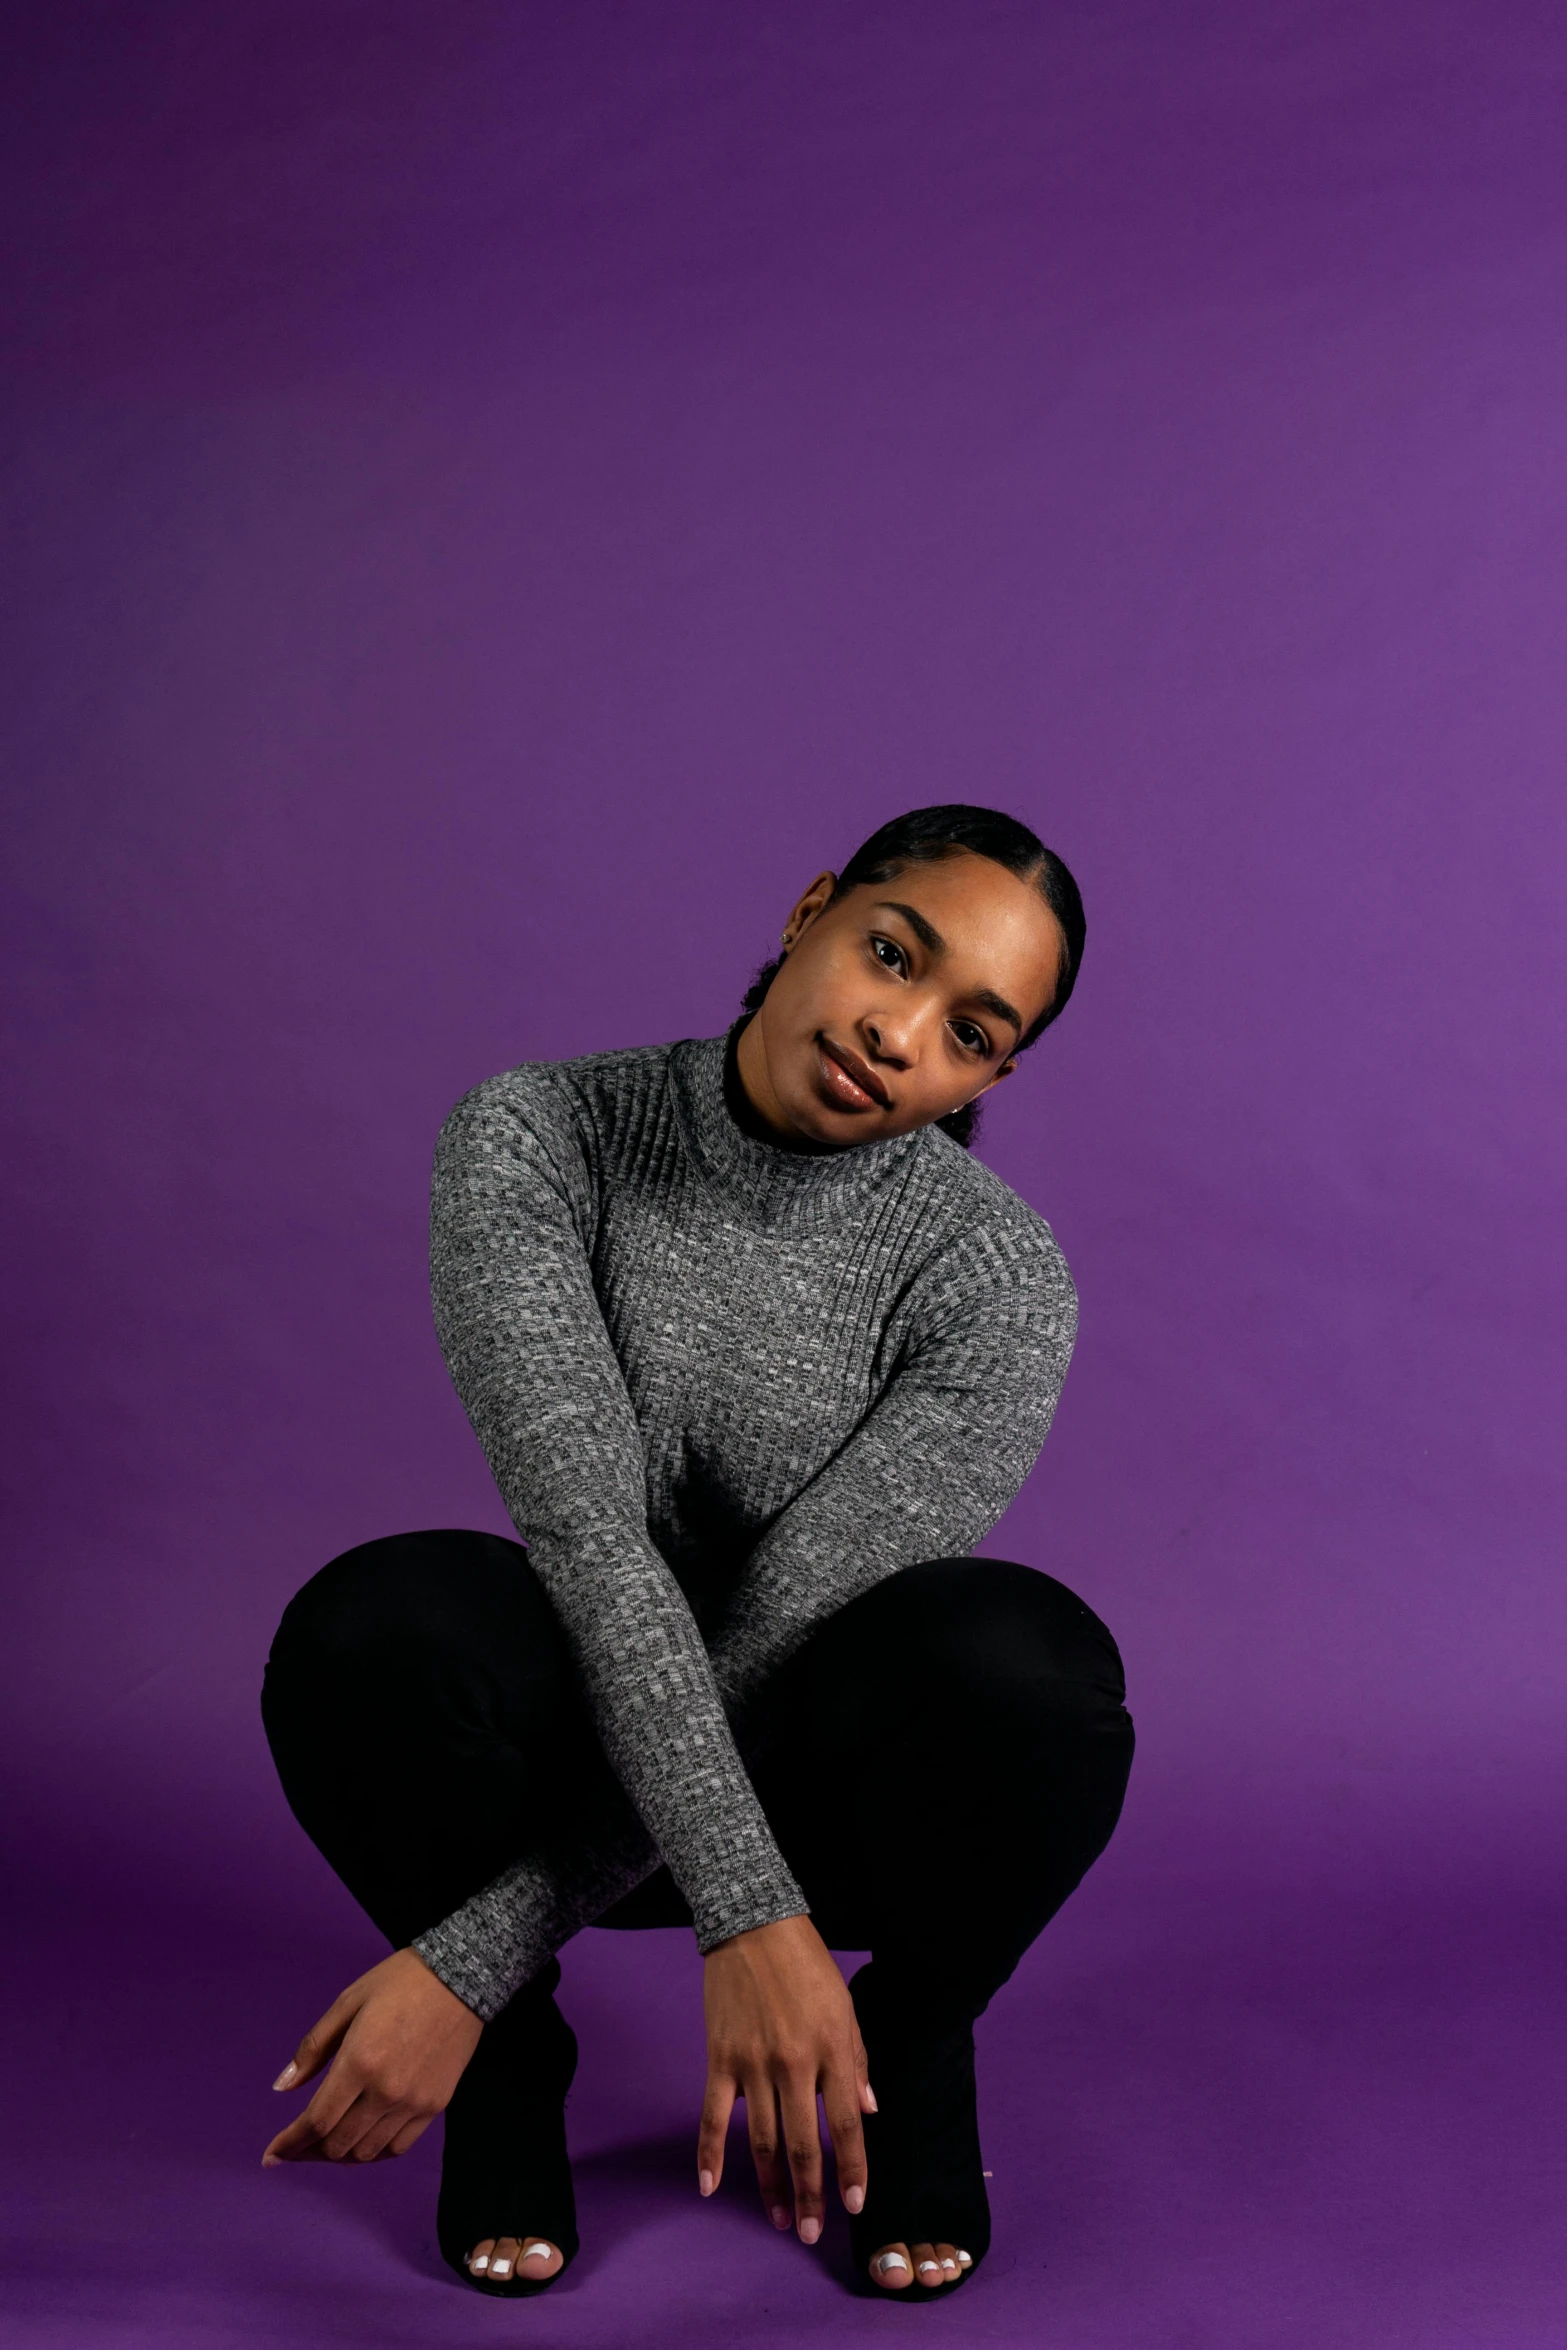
(756, 1353)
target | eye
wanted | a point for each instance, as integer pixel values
(894, 959)
(972, 1039)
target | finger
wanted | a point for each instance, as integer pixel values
(803, 2145)
(342, 2139)
(408, 2135)
(380, 2134)
(865, 2094)
(772, 2172)
(717, 2106)
(847, 2133)
(306, 2135)
(320, 2041)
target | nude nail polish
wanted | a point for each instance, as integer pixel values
(810, 2229)
(287, 2077)
(854, 2199)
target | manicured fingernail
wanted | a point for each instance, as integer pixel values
(965, 2260)
(810, 2229)
(288, 2076)
(888, 2262)
(854, 2199)
(500, 2268)
(272, 2162)
(781, 2217)
(479, 2260)
(871, 2105)
(704, 2180)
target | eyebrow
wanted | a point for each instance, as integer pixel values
(931, 940)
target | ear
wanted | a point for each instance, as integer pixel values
(1005, 1070)
(806, 909)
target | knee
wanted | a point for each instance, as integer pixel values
(1017, 1649)
(409, 1594)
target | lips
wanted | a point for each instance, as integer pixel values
(853, 1084)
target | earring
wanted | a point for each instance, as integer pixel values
(787, 939)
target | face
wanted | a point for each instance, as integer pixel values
(900, 1003)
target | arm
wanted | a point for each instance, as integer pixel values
(512, 1216)
(931, 1468)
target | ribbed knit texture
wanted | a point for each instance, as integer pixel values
(723, 1388)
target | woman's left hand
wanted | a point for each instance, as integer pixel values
(780, 2030)
(402, 2042)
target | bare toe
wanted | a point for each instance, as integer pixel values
(539, 2259)
(950, 2271)
(504, 2258)
(927, 2268)
(479, 2257)
(891, 2268)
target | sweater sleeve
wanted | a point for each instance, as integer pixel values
(512, 1214)
(932, 1466)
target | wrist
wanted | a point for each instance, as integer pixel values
(773, 1934)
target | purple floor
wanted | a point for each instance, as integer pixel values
(1321, 2122)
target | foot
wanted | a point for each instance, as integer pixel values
(505, 2157)
(901, 2268)
(532, 2258)
(925, 2225)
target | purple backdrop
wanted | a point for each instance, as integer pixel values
(495, 499)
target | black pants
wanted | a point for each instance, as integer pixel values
(941, 1763)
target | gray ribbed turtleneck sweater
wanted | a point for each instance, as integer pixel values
(723, 1388)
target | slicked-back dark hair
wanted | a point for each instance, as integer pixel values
(923, 837)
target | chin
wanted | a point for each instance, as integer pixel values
(825, 1123)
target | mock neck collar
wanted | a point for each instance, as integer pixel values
(758, 1182)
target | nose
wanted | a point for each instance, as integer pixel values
(887, 1037)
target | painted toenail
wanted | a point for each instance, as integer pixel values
(965, 2259)
(889, 2261)
(536, 2250)
(930, 2268)
(501, 2268)
(479, 2260)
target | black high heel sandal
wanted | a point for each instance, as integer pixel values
(505, 2170)
(927, 2182)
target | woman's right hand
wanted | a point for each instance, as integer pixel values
(780, 2030)
(401, 2042)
